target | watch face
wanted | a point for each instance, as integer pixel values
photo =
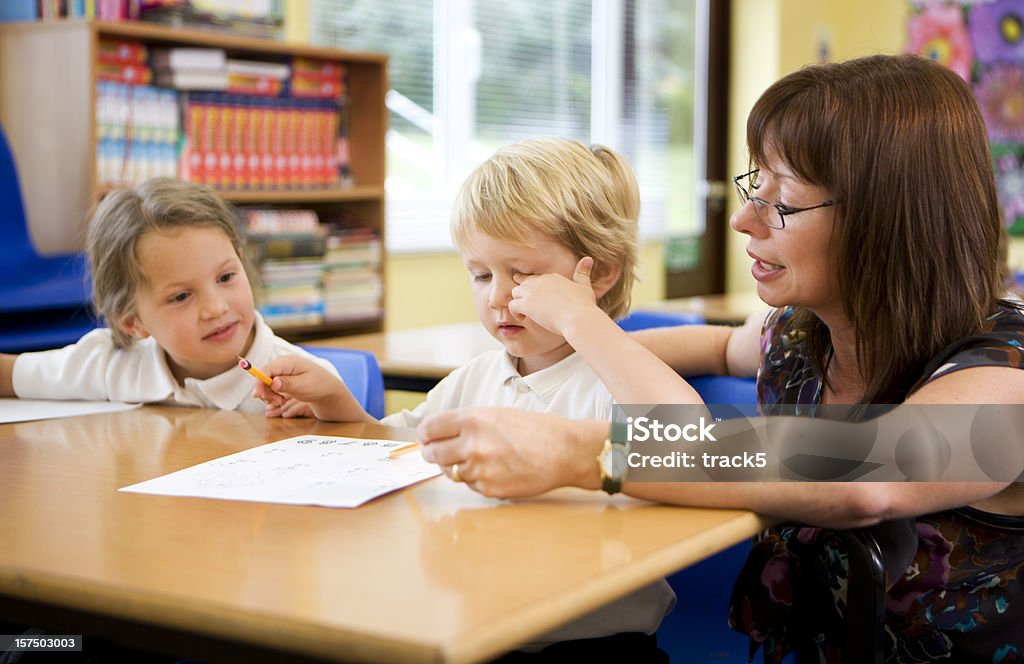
(618, 461)
(613, 461)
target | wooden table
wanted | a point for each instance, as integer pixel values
(433, 573)
(416, 359)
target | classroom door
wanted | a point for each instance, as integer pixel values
(695, 257)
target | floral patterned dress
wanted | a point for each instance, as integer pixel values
(960, 599)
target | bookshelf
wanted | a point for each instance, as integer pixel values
(48, 107)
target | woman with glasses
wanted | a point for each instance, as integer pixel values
(872, 224)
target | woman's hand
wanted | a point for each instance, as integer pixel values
(504, 452)
(554, 301)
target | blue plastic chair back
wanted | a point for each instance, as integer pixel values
(642, 320)
(361, 373)
(733, 390)
(29, 281)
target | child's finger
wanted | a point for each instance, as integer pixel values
(293, 408)
(264, 393)
(583, 269)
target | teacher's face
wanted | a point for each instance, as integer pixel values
(790, 264)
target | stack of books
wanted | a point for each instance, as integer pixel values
(187, 68)
(122, 61)
(317, 79)
(255, 77)
(289, 246)
(353, 275)
(353, 288)
(312, 272)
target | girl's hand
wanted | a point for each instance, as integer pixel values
(300, 388)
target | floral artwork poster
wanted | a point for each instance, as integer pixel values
(983, 42)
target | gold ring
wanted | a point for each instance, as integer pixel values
(455, 473)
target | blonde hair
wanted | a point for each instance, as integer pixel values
(124, 216)
(586, 198)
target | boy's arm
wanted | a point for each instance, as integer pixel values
(303, 380)
(7, 375)
(640, 368)
(696, 350)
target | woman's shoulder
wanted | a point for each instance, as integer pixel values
(999, 343)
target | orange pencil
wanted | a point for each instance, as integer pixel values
(247, 365)
(395, 453)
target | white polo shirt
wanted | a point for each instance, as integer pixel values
(94, 369)
(569, 388)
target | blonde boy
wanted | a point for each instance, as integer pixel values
(544, 206)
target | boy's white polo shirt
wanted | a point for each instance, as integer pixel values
(569, 388)
(94, 369)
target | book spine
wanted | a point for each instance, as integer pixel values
(285, 246)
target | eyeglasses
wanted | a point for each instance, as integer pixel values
(771, 218)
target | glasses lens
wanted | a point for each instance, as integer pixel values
(766, 212)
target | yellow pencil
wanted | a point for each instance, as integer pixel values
(394, 454)
(247, 365)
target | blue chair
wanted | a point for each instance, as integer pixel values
(642, 320)
(44, 300)
(30, 281)
(361, 373)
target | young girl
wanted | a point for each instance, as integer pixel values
(170, 279)
(535, 207)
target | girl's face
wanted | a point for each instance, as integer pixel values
(791, 265)
(196, 301)
(492, 263)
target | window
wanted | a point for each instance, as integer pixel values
(468, 76)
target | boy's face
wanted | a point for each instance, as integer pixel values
(492, 263)
(196, 303)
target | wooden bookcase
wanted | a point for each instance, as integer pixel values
(48, 111)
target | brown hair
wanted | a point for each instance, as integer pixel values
(586, 198)
(124, 216)
(901, 144)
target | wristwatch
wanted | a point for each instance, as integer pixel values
(612, 459)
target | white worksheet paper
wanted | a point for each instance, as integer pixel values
(304, 470)
(23, 410)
